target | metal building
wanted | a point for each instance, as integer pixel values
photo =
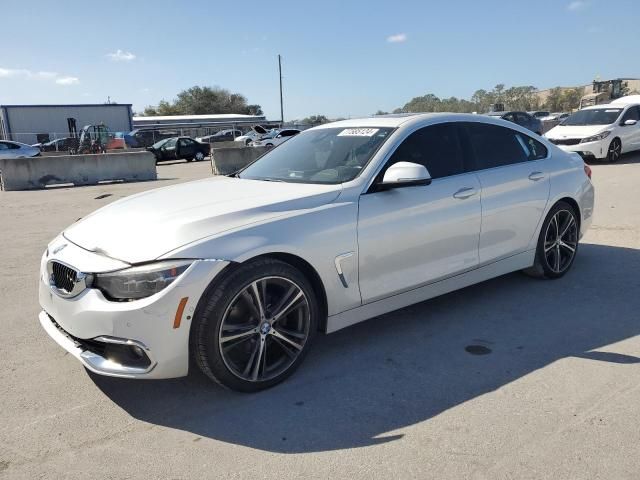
(40, 123)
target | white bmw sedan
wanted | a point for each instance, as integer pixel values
(341, 223)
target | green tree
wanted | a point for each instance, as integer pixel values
(314, 120)
(204, 100)
(570, 99)
(553, 102)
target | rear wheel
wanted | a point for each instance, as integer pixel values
(557, 244)
(253, 330)
(615, 150)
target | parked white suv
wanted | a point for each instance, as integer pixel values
(600, 131)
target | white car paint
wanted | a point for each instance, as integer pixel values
(629, 135)
(275, 140)
(373, 253)
(10, 149)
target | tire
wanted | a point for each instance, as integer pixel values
(247, 142)
(557, 240)
(270, 145)
(229, 333)
(615, 150)
(199, 156)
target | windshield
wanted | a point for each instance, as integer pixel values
(160, 143)
(328, 155)
(593, 116)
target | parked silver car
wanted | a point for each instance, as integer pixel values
(340, 223)
(17, 150)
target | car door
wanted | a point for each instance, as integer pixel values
(630, 134)
(186, 148)
(514, 175)
(414, 235)
(169, 149)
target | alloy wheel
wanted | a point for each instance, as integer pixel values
(561, 241)
(615, 150)
(199, 156)
(264, 329)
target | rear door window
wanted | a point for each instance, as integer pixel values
(495, 146)
(533, 148)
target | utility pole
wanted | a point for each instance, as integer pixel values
(280, 74)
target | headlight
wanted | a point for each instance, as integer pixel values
(138, 282)
(597, 137)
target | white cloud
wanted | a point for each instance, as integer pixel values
(14, 72)
(23, 73)
(68, 81)
(46, 74)
(576, 5)
(397, 38)
(121, 56)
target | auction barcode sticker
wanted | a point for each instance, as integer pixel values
(358, 132)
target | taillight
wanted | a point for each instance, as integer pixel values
(587, 170)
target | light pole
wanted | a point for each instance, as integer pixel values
(280, 74)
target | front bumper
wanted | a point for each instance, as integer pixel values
(91, 328)
(588, 150)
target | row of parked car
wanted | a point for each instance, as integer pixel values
(598, 132)
(177, 148)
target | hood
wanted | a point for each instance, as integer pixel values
(145, 226)
(574, 131)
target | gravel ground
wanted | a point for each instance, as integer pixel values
(554, 396)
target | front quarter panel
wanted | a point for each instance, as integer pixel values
(317, 235)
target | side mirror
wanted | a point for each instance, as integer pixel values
(405, 174)
(629, 122)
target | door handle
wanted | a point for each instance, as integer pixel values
(535, 176)
(465, 192)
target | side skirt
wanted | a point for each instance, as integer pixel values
(420, 294)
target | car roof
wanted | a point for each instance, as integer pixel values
(415, 119)
(391, 120)
(607, 106)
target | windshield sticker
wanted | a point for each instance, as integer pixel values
(358, 132)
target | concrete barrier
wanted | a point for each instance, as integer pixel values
(227, 160)
(38, 172)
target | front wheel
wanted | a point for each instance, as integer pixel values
(615, 150)
(199, 156)
(254, 328)
(558, 243)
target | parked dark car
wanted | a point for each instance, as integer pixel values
(539, 113)
(146, 138)
(221, 136)
(521, 118)
(57, 145)
(179, 147)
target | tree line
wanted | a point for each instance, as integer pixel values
(204, 101)
(524, 98)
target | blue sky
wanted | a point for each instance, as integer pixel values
(340, 58)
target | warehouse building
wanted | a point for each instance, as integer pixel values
(41, 123)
